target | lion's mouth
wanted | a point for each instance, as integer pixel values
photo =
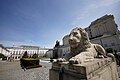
(73, 42)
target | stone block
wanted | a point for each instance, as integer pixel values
(99, 69)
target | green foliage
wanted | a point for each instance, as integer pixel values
(4, 58)
(1, 55)
(30, 59)
(109, 50)
(25, 55)
(35, 55)
(28, 62)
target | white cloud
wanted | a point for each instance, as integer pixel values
(26, 42)
(92, 11)
(11, 43)
(108, 2)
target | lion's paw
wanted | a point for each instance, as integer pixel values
(61, 60)
(74, 61)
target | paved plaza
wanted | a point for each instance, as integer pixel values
(13, 71)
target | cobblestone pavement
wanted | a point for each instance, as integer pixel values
(13, 71)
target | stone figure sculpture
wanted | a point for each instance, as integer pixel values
(82, 49)
(57, 44)
(83, 62)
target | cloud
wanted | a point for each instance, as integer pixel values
(11, 43)
(108, 2)
(26, 42)
(93, 10)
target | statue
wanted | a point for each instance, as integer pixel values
(83, 62)
(82, 50)
(55, 50)
(57, 44)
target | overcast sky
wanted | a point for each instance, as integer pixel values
(42, 22)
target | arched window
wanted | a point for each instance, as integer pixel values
(19, 57)
(16, 57)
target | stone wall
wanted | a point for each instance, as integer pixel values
(99, 69)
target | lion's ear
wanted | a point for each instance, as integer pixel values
(84, 34)
(80, 29)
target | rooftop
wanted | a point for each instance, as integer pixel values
(101, 19)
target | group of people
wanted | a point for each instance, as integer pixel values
(10, 58)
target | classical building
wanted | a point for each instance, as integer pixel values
(105, 31)
(61, 50)
(4, 51)
(18, 51)
(65, 47)
(49, 53)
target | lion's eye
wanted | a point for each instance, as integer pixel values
(75, 33)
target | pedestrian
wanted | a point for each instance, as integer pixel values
(118, 53)
(117, 57)
(22, 66)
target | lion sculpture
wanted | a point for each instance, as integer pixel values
(82, 50)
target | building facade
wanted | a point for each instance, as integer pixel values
(65, 47)
(4, 51)
(61, 50)
(49, 53)
(104, 31)
(18, 51)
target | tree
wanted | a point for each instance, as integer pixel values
(1, 55)
(109, 50)
(35, 55)
(25, 55)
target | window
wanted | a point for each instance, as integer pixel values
(113, 44)
(13, 52)
(19, 52)
(16, 57)
(105, 45)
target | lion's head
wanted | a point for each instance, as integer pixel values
(79, 40)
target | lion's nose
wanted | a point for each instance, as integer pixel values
(70, 40)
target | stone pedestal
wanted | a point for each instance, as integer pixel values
(99, 69)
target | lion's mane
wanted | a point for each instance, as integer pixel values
(81, 47)
(83, 44)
